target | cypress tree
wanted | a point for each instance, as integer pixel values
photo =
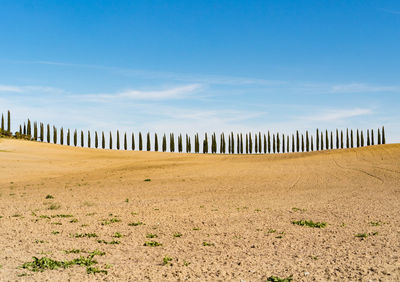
(379, 137)
(287, 143)
(237, 143)
(347, 138)
(322, 142)
(96, 140)
(307, 142)
(2, 123)
(171, 142)
(302, 142)
(317, 140)
(283, 143)
(341, 139)
(133, 142)
(111, 143)
(326, 140)
(118, 147)
(9, 122)
(331, 140)
(337, 139)
(29, 128)
(255, 144)
(190, 145)
(383, 135)
(205, 144)
(35, 131)
(250, 144)
(89, 142)
(312, 143)
(229, 144)
(241, 143)
(24, 129)
(68, 137)
(125, 142)
(41, 132)
(259, 143)
(293, 149)
(247, 144)
(61, 136)
(358, 139)
(48, 133)
(265, 144)
(180, 145)
(54, 134)
(148, 143)
(368, 140)
(297, 141)
(164, 143)
(103, 140)
(269, 143)
(82, 139)
(140, 142)
(233, 143)
(351, 138)
(75, 138)
(155, 142)
(278, 143)
(20, 129)
(362, 138)
(372, 137)
(273, 144)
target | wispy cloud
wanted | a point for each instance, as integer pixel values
(337, 114)
(362, 87)
(9, 88)
(178, 92)
(391, 11)
(29, 88)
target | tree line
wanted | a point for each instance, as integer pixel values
(233, 143)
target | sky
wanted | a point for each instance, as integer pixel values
(202, 66)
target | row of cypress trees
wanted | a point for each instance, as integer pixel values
(237, 143)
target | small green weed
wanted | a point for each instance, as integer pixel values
(166, 260)
(196, 228)
(271, 231)
(118, 235)
(109, 221)
(135, 223)
(49, 197)
(310, 223)
(82, 235)
(151, 235)
(152, 244)
(54, 207)
(73, 220)
(55, 232)
(208, 244)
(62, 215)
(177, 234)
(147, 180)
(113, 242)
(278, 279)
(94, 270)
(376, 223)
(73, 251)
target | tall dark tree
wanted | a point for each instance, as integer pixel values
(24, 131)
(383, 135)
(96, 140)
(35, 131)
(302, 142)
(54, 135)
(297, 141)
(103, 140)
(341, 139)
(379, 137)
(307, 142)
(133, 142)
(351, 139)
(241, 143)
(326, 140)
(180, 147)
(148, 143)
(250, 144)
(48, 133)
(61, 136)
(331, 140)
(322, 141)
(171, 142)
(233, 143)
(312, 143)
(29, 128)
(247, 144)
(283, 143)
(196, 143)
(164, 143)
(82, 139)
(372, 137)
(368, 139)
(347, 138)
(265, 144)
(118, 141)
(9, 122)
(41, 132)
(287, 143)
(75, 138)
(89, 140)
(317, 139)
(337, 139)
(140, 142)
(229, 144)
(68, 137)
(111, 143)
(255, 144)
(237, 143)
(155, 142)
(362, 138)
(358, 139)
(269, 143)
(20, 129)
(205, 144)
(278, 143)
(273, 144)
(2, 123)
(293, 147)
(125, 142)
(259, 143)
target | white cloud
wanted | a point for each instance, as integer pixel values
(338, 114)
(10, 88)
(164, 94)
(361, 87)
(29, 88)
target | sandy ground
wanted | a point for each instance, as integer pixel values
(242, 207)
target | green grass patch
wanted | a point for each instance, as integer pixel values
(54, 207)
(152, 244)
(208, 244)
(167, 260)
(49, 197)
(310, 223)
(177, 234)
(278, 279)
(151, 235)
(147, 180)
(113, 242)
(135, 223)
(110, 221)
(118, 235)
(83, 235)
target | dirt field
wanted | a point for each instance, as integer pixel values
(218, 217)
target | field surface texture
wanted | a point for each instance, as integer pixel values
(121, 215)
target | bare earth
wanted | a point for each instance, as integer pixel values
(241, 207)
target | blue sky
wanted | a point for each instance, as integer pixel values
(197, 66)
